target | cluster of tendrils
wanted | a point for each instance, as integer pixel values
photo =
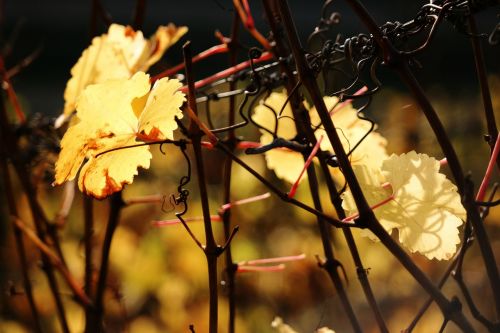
(354, 55)
(262, 79)
(182, 192)
(325, 24)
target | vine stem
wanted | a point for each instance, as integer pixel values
(331, 264)
(139, 11)
(211, 250)
(362, 273)
(88, 237)
(19, 242)
(11, 148)
(55, 261)
(367, 217)
(283, 196)
(489, 171)
(304, 130)
(231, 267)
(483, 84)
(95, 320)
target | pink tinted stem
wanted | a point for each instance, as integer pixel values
(245, 201)
(293, 190)
(217, 49)
(381, 203)
(246, 269)
(340, 106)
(230, 71)
(248, 144)
(274, 260)
(489, 170)
(206, 144)
(164, 223)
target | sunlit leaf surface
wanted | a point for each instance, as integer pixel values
(111, 116)
(426, 209)
(118, 54)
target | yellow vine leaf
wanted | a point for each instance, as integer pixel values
(288, 164)
(351, 130)
(426, 208)
(119, 54)
(111, 116)
(281, 327)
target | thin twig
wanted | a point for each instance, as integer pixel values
(139, 13)
(55, 261)
(19, 242)
(212, 251)
(230, 266)
(88, 239)
(95, 322)
(39, 218)
(489, 115)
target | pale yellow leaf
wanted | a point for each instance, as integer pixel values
(157, 121)
(164, 38)
(281, 327)
(117, 55)
(325, 330)
(287, 164)
(426, 209)
(113, 117)
(109, 172)
(351, 130)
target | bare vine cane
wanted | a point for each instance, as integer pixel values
(211, 249)
(39, 218)
(18, 236)
(95, 321)
(88, 243)
(231, 266)
(279, 48)
(302, 124)
(367, 217)
(139, 11)
(489, 115)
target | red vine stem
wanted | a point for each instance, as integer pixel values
(489, 170)
(243, 10)
(217, 49)
(228, 72)
(95, 321)
(314, 151)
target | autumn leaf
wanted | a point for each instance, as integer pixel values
(119, 54)
(114, 115)
(425, 209)
(351, 129)
(281, 327)
(288, 164)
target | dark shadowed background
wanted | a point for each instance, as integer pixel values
(61, 29)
